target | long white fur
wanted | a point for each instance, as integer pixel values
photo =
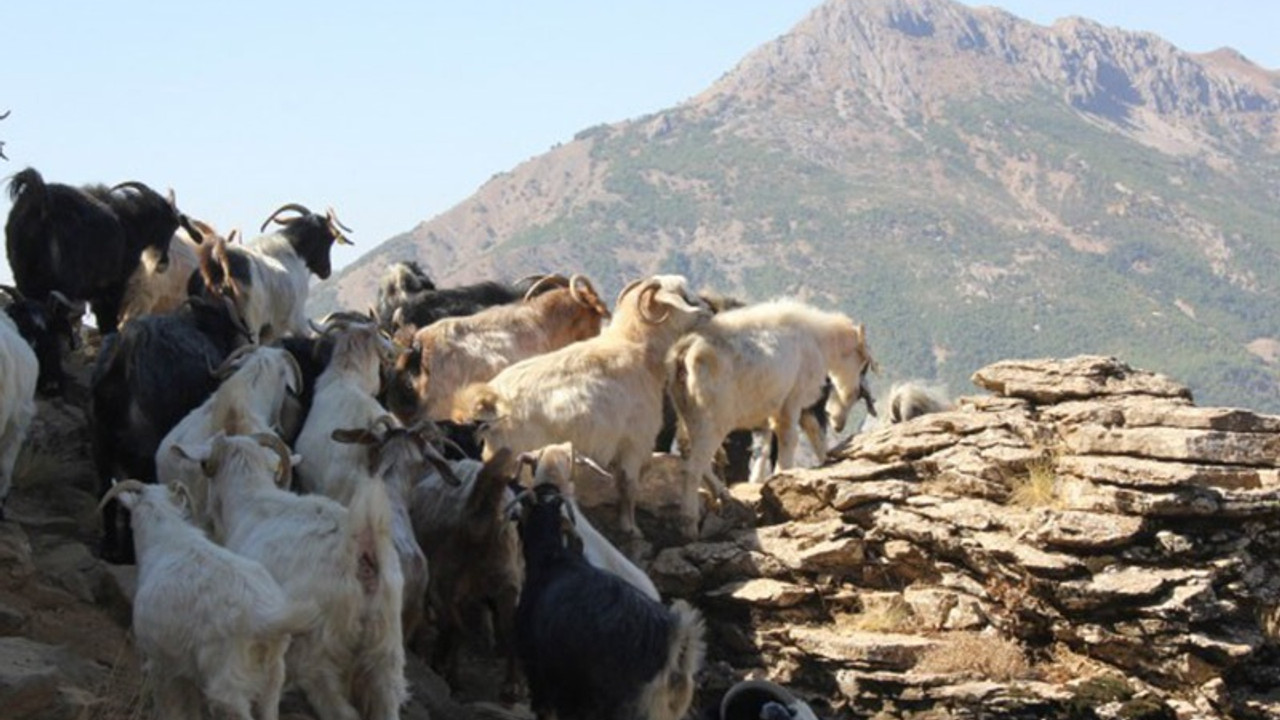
(603, 394)
(275, 304)
(212, 626)
(756, 365)
(556, 465)
(19, 370)
(350, 666)
(344, 399)
(249, 401)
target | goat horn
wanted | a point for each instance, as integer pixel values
(133, 185)
(284, 475)
(545, 280)
(626, 290)
(12, 292)
(337, 228)
(172, 197)
(586, 295)
(6, 114)
(585, 460)
(284, 208)
(65, 301)
(117, 487)
(333, 217)
(233, 236)
(650, 291)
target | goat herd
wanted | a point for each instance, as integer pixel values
(307, 500)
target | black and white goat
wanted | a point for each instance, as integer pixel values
(407, 297)
(268, 277)
(146, 379)
(84, 242)
(593, 646)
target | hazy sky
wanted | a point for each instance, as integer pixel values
(394, 112)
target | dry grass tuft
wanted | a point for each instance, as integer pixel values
(1039, 488)
(991, 658)
(121, 697)
(888, 617)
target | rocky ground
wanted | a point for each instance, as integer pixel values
(1081, 542)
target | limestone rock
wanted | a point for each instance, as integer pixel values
(1052, 381)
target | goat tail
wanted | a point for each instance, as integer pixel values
(670, 694)
(380, 661)
(294, 618)
(689, 367)
(27, 183)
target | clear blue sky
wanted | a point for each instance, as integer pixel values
(394, 112)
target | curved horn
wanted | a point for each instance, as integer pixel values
(646, 296)
(626, 290)
(545, 281)
(284, 474)
(284, 208)
(333, 218)
(118, 487)
(12, 292)
(233, 236)
(132, 185)
(581, 290)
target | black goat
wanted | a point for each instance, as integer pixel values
(313, 355)
(406, 296)
(147, 378)
(592, 645)
(50, 328)
(85, 242)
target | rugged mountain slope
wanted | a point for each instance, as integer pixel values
(972, 185)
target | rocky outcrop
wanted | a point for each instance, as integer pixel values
(1084, 542)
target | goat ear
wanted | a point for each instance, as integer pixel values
(194, 453)
(354, 436)
(180, 496)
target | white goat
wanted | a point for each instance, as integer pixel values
(268, 278)
(351, 665)
(249, 400)
(451, 354)
(555, 464)
(399, 457)
(344, 399)
(209, 623)
(603, 394)
(19, 370)
(757, 364)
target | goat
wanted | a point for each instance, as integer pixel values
(312, 355)
(908, 400)
(212, 626)
(268, 277)
(454, 353)
(146, 379)
(592, 646)
(255, 383)
(474, 555)
(399, 457)
(84, 243)
(761, 363)
(344, 398)
(19, 371)
(50, 327)
(555, 465)
(603, 394)
(407, 297)
(351, 664)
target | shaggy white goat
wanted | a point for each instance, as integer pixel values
(351, 665)
(761, 364)
(212, 626)
(344, 399)
(248, 401)
(603, 394)
(19, 370)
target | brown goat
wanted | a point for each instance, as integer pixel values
(453, 353)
